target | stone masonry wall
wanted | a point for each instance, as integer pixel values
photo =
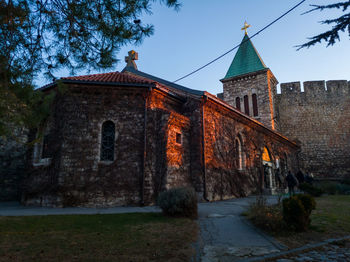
(262, 84)
(319, 119)
(224, 178)
(75, 175)
(82, 179)
(167, 162)
(12, 165)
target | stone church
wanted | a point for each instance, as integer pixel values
(120, 138)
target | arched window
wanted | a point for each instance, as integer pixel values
(239, 153)
(43, 150)
(255, 105)
(107, 141)
(238, 103)
(266, 155)
(246, 105)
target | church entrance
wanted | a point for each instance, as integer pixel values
(269, 183)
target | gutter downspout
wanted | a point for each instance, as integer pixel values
(142, 200)
(203, 151)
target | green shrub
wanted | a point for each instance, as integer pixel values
(332, 187)
(310, 189)
(308, 202)
(266, 217)
(328, 187)
(179, 202)
(297, 210)
(346, 182)
(343, 189)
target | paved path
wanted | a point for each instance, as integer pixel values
(227, 236)
(327, 253)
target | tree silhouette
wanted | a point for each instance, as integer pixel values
(340, 24)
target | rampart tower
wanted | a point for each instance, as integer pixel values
(249, 85)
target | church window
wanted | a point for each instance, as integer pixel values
(42, 153)
(246, 105)
(238, 103)
(107, 141)
(178, 138)
(255, 105)
(45, 147)
(239, 153)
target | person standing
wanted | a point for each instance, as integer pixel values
(278, 178)
(291, 182)
(300, 176)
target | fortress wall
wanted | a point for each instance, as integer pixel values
(318, 118)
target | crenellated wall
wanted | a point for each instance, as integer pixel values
(318, 118)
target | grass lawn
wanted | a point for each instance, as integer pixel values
(115, 237)
(331, 219)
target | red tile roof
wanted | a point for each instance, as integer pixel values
(113, 77)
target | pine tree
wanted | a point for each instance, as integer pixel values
(43, 36)
(340, 24)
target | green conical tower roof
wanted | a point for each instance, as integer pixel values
(247, 60)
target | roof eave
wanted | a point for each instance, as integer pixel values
(70, 81)
(219, 101)
(146, 85)
(244, 75)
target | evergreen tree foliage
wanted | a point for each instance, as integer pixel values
(339, 24)
(43, 36)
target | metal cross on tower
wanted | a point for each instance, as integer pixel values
(245, 27)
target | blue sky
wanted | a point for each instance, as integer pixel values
(204, 29)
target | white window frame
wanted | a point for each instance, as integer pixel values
(38, 150)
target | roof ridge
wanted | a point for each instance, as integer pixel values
(67, 77)
(163, 82)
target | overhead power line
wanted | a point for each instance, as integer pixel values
(229, 51)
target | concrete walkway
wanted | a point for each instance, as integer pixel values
(227, 236)
(224, 236)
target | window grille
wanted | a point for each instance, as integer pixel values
(45, 148)
(178, 138)
(238, 103)
(246, 105)
(107, 141)
(255, 105)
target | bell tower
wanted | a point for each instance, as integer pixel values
(249, 85)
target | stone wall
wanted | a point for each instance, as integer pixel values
(167, 163)
(261, 83)
(144, 163)
(318, 119)
(79, 176)
(12, 164)
(224, 178)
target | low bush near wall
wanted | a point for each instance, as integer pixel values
(346, 182)
(297, 211)
(334, 188)
(310, 189)
(293, 214)
(264, 216)
(179, 202)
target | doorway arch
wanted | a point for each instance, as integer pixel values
(268, 164)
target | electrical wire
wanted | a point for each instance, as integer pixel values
(229, 51)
